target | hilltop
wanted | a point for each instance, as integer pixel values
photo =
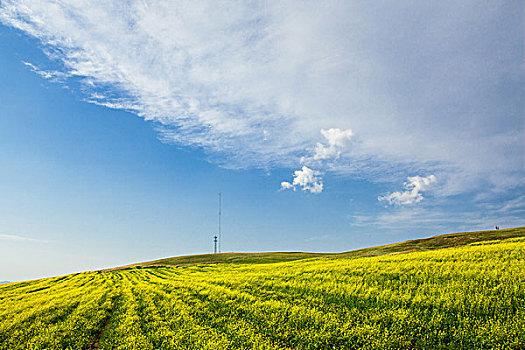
(435, 242)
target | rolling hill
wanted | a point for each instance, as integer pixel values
(431, 243)
(413, 294)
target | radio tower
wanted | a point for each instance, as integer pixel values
(220, 222)
(215, 244)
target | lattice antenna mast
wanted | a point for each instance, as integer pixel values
(220, 218)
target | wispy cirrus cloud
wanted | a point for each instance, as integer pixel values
(318, 238)
(254, 83)
(16, 238)
(54, 76)
(440, 217)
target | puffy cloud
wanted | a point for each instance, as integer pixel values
(285, 185)
(337, 139)
(414, 186)
(307, 179)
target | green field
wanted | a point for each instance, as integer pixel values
(470, 295)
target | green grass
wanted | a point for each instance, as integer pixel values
(435, 242)
(408, 295)
(232, 258)
(439, 242)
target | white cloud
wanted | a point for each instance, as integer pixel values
(16, 238)
(337, 139)
(414, 186)
(285, 185)
(54, 76)
(307, 179)
(430, 86)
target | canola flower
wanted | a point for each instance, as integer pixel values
(470, 297)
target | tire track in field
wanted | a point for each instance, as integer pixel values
(125, 322)
(105, 324)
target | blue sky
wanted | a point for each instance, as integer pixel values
(326, 127)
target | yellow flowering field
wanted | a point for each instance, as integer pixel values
(468, 297)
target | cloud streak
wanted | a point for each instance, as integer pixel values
(16, 238)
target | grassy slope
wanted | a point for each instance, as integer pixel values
(438, 242)
(435, 242)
